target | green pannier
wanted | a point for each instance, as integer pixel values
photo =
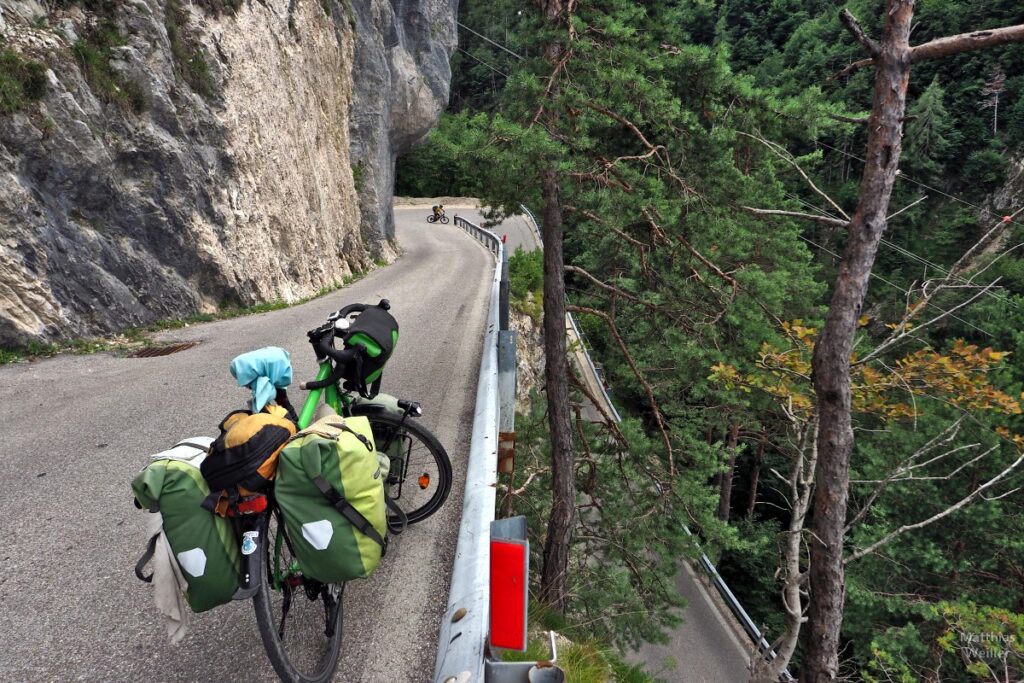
(330, 488)
(203, 543)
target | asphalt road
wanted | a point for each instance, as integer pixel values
(76, 429)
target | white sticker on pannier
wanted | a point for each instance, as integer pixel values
(193, 561)
(318, 533)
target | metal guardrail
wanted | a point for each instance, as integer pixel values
(748, 624)
(462, 643)
(485, 237)
(751, 629)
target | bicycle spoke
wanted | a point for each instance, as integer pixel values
(420, 475)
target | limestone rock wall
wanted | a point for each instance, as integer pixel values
(115, 214)
(402, 75)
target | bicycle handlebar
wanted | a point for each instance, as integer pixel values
(322, 339)
(346, 311)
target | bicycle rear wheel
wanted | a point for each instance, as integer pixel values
(299, 617)
(421, 473)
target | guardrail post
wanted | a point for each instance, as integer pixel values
(507, 380)
(507, 411)
(503, 292)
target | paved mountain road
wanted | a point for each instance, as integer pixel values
(74, 430)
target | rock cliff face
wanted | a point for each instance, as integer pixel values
(1009, 196)
(187, 155)
(402, 75)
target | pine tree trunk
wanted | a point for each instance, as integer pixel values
(755, 478)
(563, 503)
(725, 492)
(563, 486)
(831, 362)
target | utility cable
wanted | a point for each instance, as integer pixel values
(492, 68)
(901, 174)
(906, 252)
(497, 45)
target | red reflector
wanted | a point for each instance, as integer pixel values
(508, 593)
(250, 506)
(424, 480)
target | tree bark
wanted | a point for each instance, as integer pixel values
(831, 361)
(948, 45)
(801, 480)
(966, 42)
(563, 503)
(755, 477)
(725, 493)
(553, 590)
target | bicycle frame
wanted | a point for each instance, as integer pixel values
(332, 397)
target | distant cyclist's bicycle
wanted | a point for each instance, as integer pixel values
(299, 617)
(437, 218)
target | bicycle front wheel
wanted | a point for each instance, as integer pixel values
(420, 478)
(444, 219)
(299, 617)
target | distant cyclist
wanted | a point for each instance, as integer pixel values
(438, 212)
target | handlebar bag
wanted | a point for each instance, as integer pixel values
(376, 332)
(243, 459)
(203, 544)
(330, 489)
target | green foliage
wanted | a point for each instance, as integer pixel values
(93, 54)
(986, 167)
(930, 134)
(526, 281)
(964, 640)
(22, 81)
(625, 553)
(691, 281)
(189, 62)
(358, 176)
(586, 661)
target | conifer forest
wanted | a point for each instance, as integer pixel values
(792, 231)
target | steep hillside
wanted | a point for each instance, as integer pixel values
(161, 157)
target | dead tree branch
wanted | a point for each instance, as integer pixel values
(611, 288)
(780, 152)
(648, 389)
(892, 535)
(854, 27)
(825, 220)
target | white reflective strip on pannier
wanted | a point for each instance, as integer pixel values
(191, 450)
(193, 561)
(318, 534)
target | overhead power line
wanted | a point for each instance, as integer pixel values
(904, 176)
(905, 252)
(492, 68)
(495, 44)
(900, 289)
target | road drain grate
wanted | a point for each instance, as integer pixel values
(154, 351)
